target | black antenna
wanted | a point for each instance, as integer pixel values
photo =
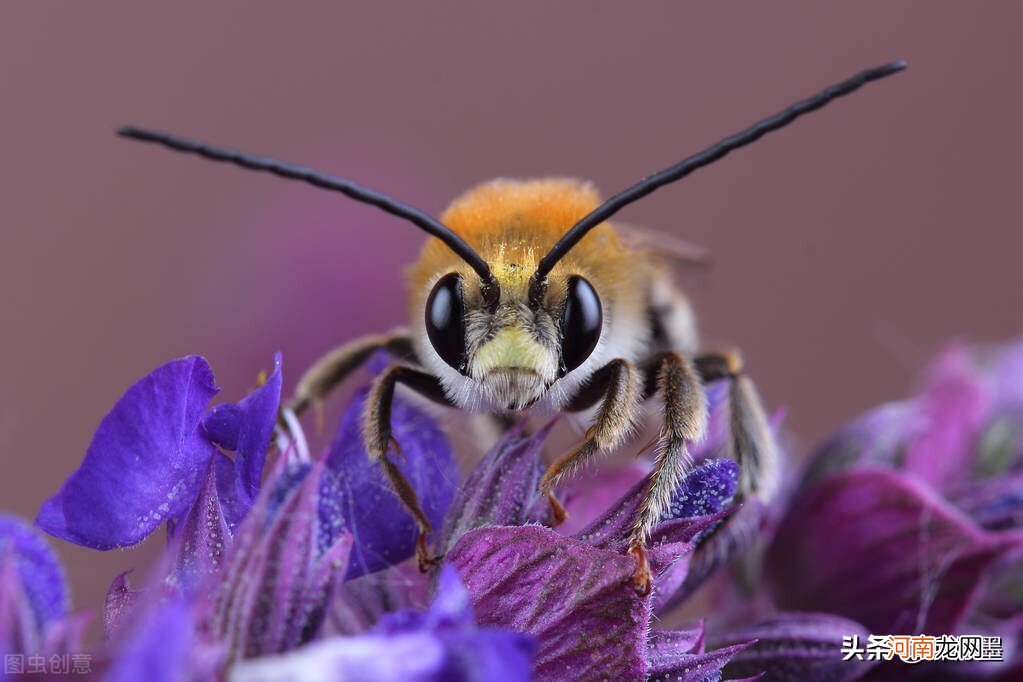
(335, 184)
(704, 158)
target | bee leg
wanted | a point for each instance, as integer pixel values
(617, 383)
(331, 369)
(753, 442)
(376, 433)
(684, 420)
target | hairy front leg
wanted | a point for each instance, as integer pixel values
(618, 385)
(379, 441)
(753, 442)
(334, 367)
(684, 420)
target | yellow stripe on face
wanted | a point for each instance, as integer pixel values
(513, 347)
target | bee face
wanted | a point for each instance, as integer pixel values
(509, 356)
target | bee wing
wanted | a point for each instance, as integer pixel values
(678, 251)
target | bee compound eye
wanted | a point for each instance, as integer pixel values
(581, 322)
(445, 320)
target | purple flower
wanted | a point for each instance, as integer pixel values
(442, 644)
(907, 521)
(146, 462)
(910, 519)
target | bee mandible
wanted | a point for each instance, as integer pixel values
(526, 297)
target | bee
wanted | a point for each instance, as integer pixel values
(527, 297)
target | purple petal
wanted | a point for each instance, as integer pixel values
(246, 427)
(222, 424)
(678, 666)
(203, 538)
(277, 580)
(798, 646)
(119, 604)
(877, 437)
(883, 550)
(716, 441)
(442, 644)
(145, 462)
(451, 606)
(994, 503)
(158, 649)
(38, 571)
(256, 428)
(483, 656)
(706, 490)
(954, 404)
(19, 630)
(577, 600)
(501, 489)
(363, 501)
(588, 496)
(358, 604)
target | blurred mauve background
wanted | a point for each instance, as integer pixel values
(847, 248)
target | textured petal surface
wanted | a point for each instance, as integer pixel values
(577, 600)
(501, 489)
(677, 666)
(277, 579)
(706, 490)
(792, 647)
(883, 550)
(442, 644)
(202, 539)
(363, 501)
(144, 464)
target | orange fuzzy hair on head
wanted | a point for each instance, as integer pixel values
(512, 224)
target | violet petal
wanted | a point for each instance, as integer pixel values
(706, 490)
(256, 429)
(680, 666)
(442, 644)
(577, 600)
(358, 604)
(222, 423)
(364, 503)
(500, 489)
(954, 405)
(797, 646)
(276, 580)
(203, 538)
(854, 545)
(144, 464)
(158, 649)
(39, 572)
(588, 496)
(119, 604)
(994, 503)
